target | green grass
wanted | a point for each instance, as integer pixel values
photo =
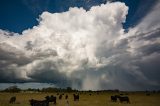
(101, 99)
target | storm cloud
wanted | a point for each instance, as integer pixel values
(85, 50)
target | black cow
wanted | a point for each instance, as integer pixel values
(76, 97)
(60, 96)
(66, 97)
(12, 99)
(113, 98)
(124, 99)
(39, 102)
(51, 99)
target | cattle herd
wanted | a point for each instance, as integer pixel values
(52, 99)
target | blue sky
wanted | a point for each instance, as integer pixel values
(19, 15)
(113, 45)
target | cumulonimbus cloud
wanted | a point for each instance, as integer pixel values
(82, 49)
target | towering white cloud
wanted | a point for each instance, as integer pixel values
(79, 48)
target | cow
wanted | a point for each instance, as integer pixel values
(76, 97)
(39, 102)
(12, 99)
(51, 99)
(66, 97)
(124, 99)
(60, 97)
(113, 98)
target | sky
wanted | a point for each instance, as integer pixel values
(83, 44)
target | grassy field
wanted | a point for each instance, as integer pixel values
(101, 99)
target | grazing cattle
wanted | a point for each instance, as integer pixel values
(124, 99)
(60, 97)
(76, 97)
(12, 99)
(38, 102)
(113, 98)
(51, 99)
(66, 97)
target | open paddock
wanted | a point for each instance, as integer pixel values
(85, 99)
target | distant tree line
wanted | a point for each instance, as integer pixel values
(50, 89)
(11, 89)
(15, 89)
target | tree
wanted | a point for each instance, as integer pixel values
(69, 89)
(12, 89)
